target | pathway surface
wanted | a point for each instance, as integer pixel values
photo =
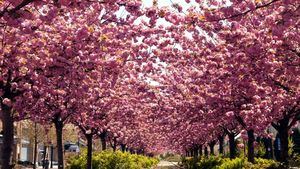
(167, 165)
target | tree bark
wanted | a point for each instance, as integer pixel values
(89, 138)
(44, 155)
(103, 136)
(251, 140)
(221, 145)
(123, 147)
(284, 144)
(271, 148)
(103, 143)
(232, 146)
(200, 151)
(205, 151)
(283, 131)
(35, 146)
(114, 144)
(196, 152)
(8, 136)
(59, 142)
(211, 147)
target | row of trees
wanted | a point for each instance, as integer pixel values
(236, 71)
(112, 67)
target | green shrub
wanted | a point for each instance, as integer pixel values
(237, 163)
(226, 163)
(295, 160)
(204, 163)
(265, 163)
(113, 160)
(211, 162)
(189, 162)
(260, 150)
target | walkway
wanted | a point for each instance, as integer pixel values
(167, 165)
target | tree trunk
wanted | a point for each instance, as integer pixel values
(284, 144)
(196, 152)
(232, 146)
(103, 143)
(251, 140)
(8, 136)
(89, 138)
(268, 147)
(200, 151)
(221, 145)
(114, 144)
(283, 132)
(271, 148)
(51, 156)
(123, 147)
(211, 147)
(103, 136)
(45, 154)
(35, 146)
(59, 142)
(206, 151)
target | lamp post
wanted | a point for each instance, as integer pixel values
(51, 155)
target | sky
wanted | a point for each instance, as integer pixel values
(161, 3)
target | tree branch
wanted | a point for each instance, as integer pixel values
(247, 11)
(15, 9)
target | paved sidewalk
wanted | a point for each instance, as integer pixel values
(167, 165)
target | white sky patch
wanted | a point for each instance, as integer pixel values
(169, 3)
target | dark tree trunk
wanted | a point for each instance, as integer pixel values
(221, 145)
(283, 133)
(211, 147)
(8, 136)
(191, 152)
(103, 136)
(206, 151)
(269, 148)
(44, 156)
(200, 151)
(103, 143)
(114, 144)
(284, 144)
(51, 156)
(35, 146)
(59, 142)
(251, 140)
(232, 146)
(89, 138)
(123, 147)
(196, 152)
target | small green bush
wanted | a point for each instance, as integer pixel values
(226, 163)
(113, 160)
(203, 163)
(189, 162)
(295, 160)
(211, 162)
(237, 163)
